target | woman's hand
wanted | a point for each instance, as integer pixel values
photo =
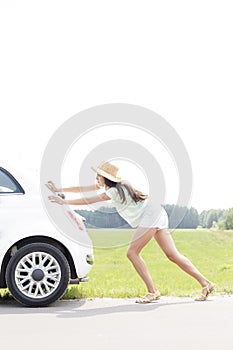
(57, 200)
(53, 187)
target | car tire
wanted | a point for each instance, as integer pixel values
(37, 274)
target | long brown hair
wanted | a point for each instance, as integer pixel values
(136, 195)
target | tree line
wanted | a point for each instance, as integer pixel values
(179, 217)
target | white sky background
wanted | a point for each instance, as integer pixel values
(173, 57)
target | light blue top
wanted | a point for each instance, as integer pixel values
(130, 210)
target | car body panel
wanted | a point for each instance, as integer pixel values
(22, 215)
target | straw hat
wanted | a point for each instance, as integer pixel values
(109, 171)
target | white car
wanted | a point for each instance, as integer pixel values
(37, 261)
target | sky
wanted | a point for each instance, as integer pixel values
(59, 58)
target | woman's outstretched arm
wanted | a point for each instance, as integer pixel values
(75, 189)
(82, 201)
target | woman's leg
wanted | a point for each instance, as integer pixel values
(165, 241)
(141, 237)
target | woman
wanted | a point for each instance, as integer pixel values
(141, 214)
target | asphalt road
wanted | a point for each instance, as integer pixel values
(171, 323)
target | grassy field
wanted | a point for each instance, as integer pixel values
(113, 276)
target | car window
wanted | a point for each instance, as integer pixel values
(8, 184)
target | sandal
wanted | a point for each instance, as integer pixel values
(209, 289)
(148, 298)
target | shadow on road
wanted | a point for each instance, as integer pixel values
(13, 307)
(132, 307)
(90, 308)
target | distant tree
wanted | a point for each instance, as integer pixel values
(221, 225)
(182, 217)
(193, 218)
(211, 218)
(104, 217)
(208, 217)
(229, 219)
(179, 217)
(202, 218)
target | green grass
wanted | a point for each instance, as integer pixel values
(113, 275)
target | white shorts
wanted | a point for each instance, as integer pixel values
(154, 216)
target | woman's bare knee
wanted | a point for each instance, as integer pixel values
(173, 257)
(131, 254)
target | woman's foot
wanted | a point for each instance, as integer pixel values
(206, 290)
(148, 298)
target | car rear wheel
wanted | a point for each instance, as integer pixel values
(37, 274)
